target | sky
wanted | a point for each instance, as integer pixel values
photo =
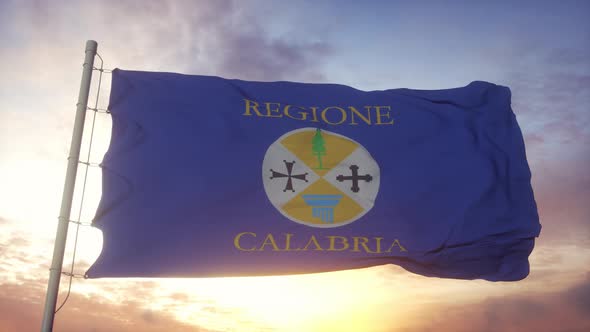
(540, 49)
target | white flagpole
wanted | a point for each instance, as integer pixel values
(68, 192)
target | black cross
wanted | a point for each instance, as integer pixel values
(289, 176)
(355, 177)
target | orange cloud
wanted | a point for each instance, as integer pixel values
(21, 308)
(568, 310)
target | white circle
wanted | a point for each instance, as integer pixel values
(276, 158)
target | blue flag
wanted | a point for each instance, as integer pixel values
(208, 177)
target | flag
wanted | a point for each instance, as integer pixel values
(214, 177)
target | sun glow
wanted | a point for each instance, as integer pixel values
(354, 300)
(340, 301)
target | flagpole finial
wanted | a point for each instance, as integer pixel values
(91, 45)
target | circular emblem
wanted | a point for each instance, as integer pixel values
(319, 178)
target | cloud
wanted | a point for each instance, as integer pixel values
(561, 196)
(551, 88)
(579, 297)
(22, 305)
(255, 57)
(224, 38)
(179, 297)
(217, 38)
(558, 311)
(17, 259)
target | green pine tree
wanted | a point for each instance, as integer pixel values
(318, 147)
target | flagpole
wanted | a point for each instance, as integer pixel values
(68, 192)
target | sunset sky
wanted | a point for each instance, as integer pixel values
(540, 49)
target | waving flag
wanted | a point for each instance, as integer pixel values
(209, 177)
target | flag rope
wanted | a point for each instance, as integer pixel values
(70, 274)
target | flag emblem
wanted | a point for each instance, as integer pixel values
(319, 178)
